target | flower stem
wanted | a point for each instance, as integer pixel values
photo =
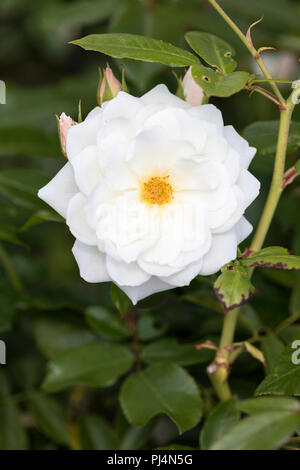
(255, 54)
(277, 179)
(219, 378)
(219, 369)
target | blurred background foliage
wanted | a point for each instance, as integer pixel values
(46, 310)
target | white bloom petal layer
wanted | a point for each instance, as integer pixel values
(84, 134)
(126, 274)
(161, 95)
(223, 249)
(77, 221)
(241, 145)
(184, 277)
(243, 229)
(155, 192)
(150, 287)
(86, 169)
(60, 190)
(91, 262)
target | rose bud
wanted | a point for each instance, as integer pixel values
(109, 86)
(193, 93)
(64, 124)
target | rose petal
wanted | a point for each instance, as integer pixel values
(86, 169)
(60, 190)
(84, 133)
(91, 262)
(243, 228)
(249, 185)
(184, 277)
(125, 274)
(152, 153)
(77, 222)
(240, 145)
(123, 105)
(150, 287)
(223, 250)
(161, 95)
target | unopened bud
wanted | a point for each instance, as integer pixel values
(193, 93)
(64, 123)
(109, 86)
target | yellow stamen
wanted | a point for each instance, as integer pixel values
(157, 190)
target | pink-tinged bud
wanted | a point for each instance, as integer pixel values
(114, 84)
(109, 87)
(193, 93)
(65, 123)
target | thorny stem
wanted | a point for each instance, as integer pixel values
(255, 54)
(265, 93)
(277, 179)
(219, 378)
(219, 369)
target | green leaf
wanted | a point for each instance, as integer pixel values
(271, 347)
(8, 308)
(297, 166)
(106, 323)
(133, 46)
(177, 447)
(289, 333)
(285, 377)
(21, 185)
(217, 84)
(120, 299)
(263, 135)
(56, 15)
(260, 405)
(93, 365)
(249, 319)
(27, 370)
(168, 349)
(272, 257)
(264, 431)
(12, 433)
(9, 223)
(50, 417)
(162, 388)
(135, 437)
(58, 332)
(213, 50)
(149, 326)
(28, 142)
(222, 417)
(233, 288)
(43, 215)
(96, 434)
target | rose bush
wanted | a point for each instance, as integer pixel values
(154, 192)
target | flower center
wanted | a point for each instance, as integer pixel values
(157, 190)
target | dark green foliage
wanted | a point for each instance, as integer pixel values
(77, 353)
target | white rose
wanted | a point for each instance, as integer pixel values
(154, 192)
